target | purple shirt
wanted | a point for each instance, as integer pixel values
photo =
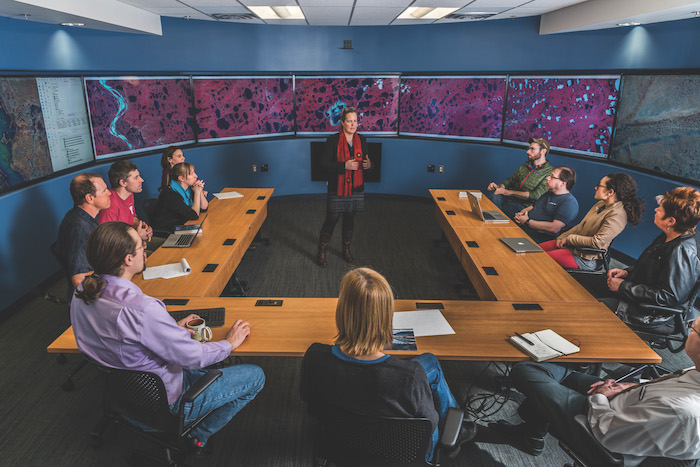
(127, 329)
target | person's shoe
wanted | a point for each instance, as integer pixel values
(466, 433)
(347, 240)
(519, 437)
(322, 246)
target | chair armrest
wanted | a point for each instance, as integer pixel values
(669, 309)
(452, 427)
(612, 457)
(591, 250)
(200, 385)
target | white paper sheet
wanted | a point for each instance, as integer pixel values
(463, 194)
(423, 322)
(228, 195)
(168, 271)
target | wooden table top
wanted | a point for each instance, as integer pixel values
(226, 219)
(449, 200)
(520, 276)
(482, 329)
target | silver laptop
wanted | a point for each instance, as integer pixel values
(521, 245)
(486, 216)
(183, 240)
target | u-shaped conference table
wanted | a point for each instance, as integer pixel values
(288, 326)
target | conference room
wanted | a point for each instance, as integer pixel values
(398, 235)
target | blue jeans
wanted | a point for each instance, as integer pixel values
(226, 396)
(442, 396)
(509, 205)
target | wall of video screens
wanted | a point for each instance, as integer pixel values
(49, 124)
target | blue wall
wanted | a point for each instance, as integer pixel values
(32, 214)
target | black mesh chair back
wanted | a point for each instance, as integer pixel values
(149, 206)
(350, 439)
(140, 396)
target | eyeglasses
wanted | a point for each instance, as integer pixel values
(143, 246)
(552, 176)
(601, 186)
(532, 148)
(689, 325)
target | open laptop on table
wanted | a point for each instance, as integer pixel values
(183, 240)
(486, 216)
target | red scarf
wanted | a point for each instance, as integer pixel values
(351, 178)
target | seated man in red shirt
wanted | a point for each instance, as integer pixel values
(125, 180)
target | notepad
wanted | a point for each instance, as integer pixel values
(228, 195)
(546, 345)
(167, 271)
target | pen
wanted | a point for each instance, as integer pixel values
(525, 339)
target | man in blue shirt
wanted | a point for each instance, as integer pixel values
(552, 211)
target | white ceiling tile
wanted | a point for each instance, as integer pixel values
(269, 2)
(331, 16)
(169, 11)
(289, 22)
(441, 3)
(223, 9)
(372, 16)
(469, 9)
(499, 3)
(407, 22)
(211, 3)
(327, 3)
(384, 3)
(145, 4)
(193, 15)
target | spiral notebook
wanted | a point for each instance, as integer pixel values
(544, 345)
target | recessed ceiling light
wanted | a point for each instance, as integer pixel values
(697, 14)
(277, 12)
(629, 24)
(73, 24)
(425, 13)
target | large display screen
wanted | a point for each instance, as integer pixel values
(575, 114)
(658, 125)
(133, 114)
(452, 107)
(239, 107)
(320, 101)
(43, 128)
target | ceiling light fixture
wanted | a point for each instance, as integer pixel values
(277, 12)
(425, 13)
(629, 24)
(697, 14)
(73, 24)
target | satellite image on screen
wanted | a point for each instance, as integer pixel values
(572, 113)
(137, 114)
(658, 124)
(240, 107)
(459, 107)
(24, 150)
(320, 102)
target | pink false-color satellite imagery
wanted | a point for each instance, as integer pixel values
(458, 107)
(320, 102)
(239, 107)
(571, 113)
(137, 114)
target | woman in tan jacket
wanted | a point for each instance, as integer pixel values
(616, 207)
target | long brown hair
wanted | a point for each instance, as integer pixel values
(107, 246)
(626, 190)
(183, 169)
(364, 313)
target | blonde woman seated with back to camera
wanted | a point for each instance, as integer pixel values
(356, 375)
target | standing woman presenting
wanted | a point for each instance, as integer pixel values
(345, 161)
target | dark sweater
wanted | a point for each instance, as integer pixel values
(333, 168)
(390, 388)
(171, 210)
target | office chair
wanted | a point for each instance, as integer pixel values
(603, 266)
(140, 396)
(612, 458)
(346, 439)
(149, 206)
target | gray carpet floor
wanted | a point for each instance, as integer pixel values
(42, 425)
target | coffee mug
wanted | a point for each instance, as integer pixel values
(202, 332)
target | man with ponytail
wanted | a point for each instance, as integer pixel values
(119, 326)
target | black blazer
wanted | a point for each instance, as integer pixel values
(333, 168)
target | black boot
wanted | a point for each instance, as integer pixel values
(322, 246)
(347, 239)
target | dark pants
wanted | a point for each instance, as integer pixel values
(554, 394)
(332, 220)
